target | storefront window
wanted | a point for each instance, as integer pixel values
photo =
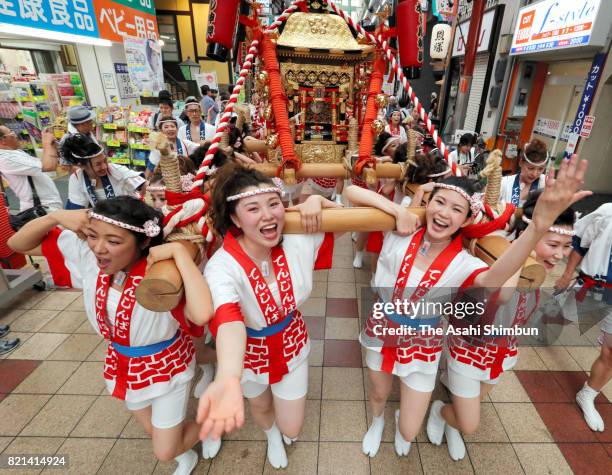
(15, 60)
(167, 33)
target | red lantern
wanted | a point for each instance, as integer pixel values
(410, 37)
(222, 20)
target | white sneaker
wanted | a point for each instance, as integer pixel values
(354, 236)
(456, 447)
(358, 260)
(210, 448)
(372, 438)
(586, 400)
(402, 447)
(186, 462)
(208, 374)
(436, 423)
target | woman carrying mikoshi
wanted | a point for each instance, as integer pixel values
(259, 279)
(477, 361)
(150, 358)
(425, 265)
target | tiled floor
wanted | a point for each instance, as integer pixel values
(52, 400)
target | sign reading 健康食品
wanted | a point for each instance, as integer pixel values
(100, 19)
(551, 25)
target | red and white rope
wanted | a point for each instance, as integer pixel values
(404, 81)
(229, 108)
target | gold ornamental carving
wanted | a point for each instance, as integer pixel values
(316, 75)
(320, 152)
(318, 31)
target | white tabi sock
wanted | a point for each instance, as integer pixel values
(586, 400)
(289, 440)
(456, 447)
(208, 373)
(435, 423)
(276, 450)
(358, 261)
(402, 447)
(186, 462)
(372, 438)
(210, 448)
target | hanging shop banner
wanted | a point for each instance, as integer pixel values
(144, 64)
(76, 17)
(103, 19)
(207, 79)
(590, 88)
(551, 25)
(115, 20)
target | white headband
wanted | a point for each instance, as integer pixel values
(86, 157)
(156, 188)
(475, 200)
(150, 228)
(553, 229)
(538, 164)
(390, 141)
(258, 191)
(436, 175)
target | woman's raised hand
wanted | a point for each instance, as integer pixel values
(560, 192)
(221, 408)
(74, 220)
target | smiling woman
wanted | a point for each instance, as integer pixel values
(259, 278)
(150, 359)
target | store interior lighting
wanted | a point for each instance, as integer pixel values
(6, 28)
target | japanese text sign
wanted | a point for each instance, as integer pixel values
(105, 19)
(554, 24)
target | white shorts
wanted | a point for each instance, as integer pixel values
(417, 380)
(294, 385)
(464, 386)
(167, 410)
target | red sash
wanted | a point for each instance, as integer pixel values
(267, 304)
(429, 279)
(123, 319)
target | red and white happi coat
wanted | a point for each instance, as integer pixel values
(120, 319)
(268, 359)
(396, 278)
(486, 357)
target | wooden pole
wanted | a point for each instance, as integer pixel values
(330, 170)
(161, 289)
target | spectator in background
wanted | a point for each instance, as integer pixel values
(81, 120)
(196, 130)
(210, 108)
(392, 106)
(166, 109)
(19, 168)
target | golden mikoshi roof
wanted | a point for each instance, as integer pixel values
(318, 31)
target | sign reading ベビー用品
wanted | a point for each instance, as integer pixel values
(104, 19)
(556, 24)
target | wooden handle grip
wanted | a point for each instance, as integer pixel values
(161, 289)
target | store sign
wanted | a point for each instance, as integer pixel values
(115, 20)
(547, 127)
(589, 120)
(554, 24)
(103, 19)
(484, 39)
(76, 17)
